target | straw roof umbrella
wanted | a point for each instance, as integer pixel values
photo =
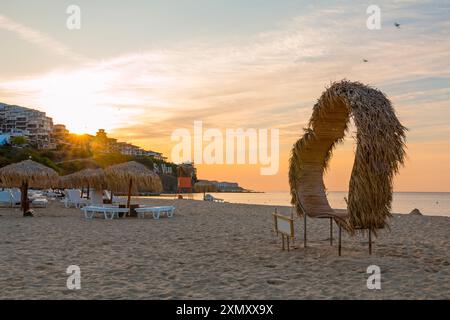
(95, 178)
(27, 174)
(380, 152)
(132, 176)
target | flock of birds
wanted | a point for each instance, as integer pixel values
(397, 25)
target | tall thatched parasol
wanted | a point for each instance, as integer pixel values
(95, 178)
(132, 176)
(27, 174)
(380, 151)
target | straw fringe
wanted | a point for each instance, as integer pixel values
(94, 178)
(380, 152)
(118, 177)
(36, 174)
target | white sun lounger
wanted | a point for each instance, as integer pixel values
(156, 211)
(16, 196)
(39, 202)
(6, 198)
(211, 198)
(115, 200)
(73, 198)
(108, 212)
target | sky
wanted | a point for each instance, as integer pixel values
(143, 69)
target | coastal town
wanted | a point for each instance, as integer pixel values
(26, 132)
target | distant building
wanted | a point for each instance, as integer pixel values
(109, 145)
(39, 131)
(228, 186)
(60, 134)
(32, 124)
(213, 186)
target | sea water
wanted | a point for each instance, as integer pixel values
(429, 203)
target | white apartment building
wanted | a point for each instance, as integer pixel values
(29, 123)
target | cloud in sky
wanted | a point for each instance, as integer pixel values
(38, 38)
(269, 80)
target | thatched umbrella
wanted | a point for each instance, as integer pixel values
(95, 178)
(27, 174)
(132, 176)
(380, 151)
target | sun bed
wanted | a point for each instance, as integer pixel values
(39, 202)
(115, 199)
(108, 212)
(16, 196)
(73, 198)
(155, 211)
(5, 198)
(211, 198)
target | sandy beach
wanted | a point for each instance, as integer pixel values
(215, 251)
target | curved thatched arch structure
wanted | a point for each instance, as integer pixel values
(380, 151)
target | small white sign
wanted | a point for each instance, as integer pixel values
(284, 225)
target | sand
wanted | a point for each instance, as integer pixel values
(215, 251)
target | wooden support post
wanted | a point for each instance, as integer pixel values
(304, 230)
(130, 186)
(340, 235)
(331, 231)
(287, 238)
(24, 199)
(282, 241)
(370, 241)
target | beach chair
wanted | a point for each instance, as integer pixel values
(156, 211)
(319, 208)
(209, 197)
(73, 198)
(115, 200)
(16, 196)
(6, 198)
(108, 212)
(39, 202)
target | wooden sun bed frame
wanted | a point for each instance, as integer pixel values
(331, 217)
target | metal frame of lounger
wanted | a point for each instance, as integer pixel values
(331, 217)
(156, 211)
(114, 211)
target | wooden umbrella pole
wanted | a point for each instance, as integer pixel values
(129, 192)
(331, 231)
(304, 231)
(340, 235)
(24, 199)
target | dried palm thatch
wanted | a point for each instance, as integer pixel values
(131, 177)
(35, 174)
(380, 151)
(27, 174)
(91, 178)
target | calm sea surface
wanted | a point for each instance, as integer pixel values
(429, 203)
